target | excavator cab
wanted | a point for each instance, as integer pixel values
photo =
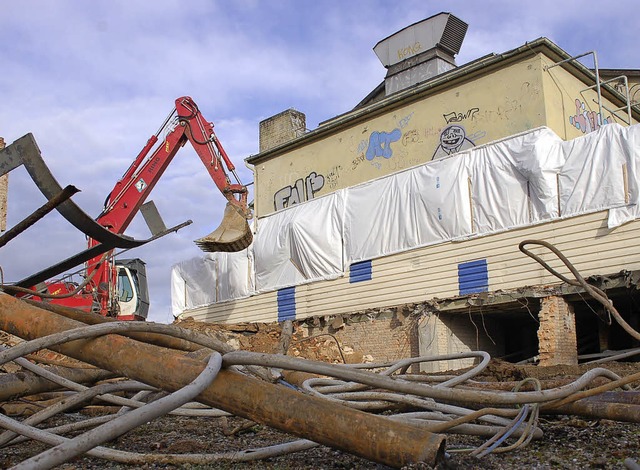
(233, 234)
(132, 289)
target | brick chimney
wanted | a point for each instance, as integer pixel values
(281, 128)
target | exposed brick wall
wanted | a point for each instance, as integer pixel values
(385, 334)
(557, 341)
(389, 334)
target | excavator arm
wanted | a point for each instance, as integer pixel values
(132, 189)
(185, 124)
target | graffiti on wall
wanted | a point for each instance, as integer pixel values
(504, 112)
(333, 176)
(411, 137)
(402, 123)
(452, 139)
(586, 120)
(301, 191)
(380, 144)
(409, 50)
(459, 117)
(357, 161)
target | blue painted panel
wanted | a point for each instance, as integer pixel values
(287, 304)
(473, 277)
(361, 271)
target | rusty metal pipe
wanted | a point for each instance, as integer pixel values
(628, 397)
(91, 318)
(375, 438)
(38, 214)
(27, 383)
(595, 408)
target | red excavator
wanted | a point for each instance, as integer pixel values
(118, 288)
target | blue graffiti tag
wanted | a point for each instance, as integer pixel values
(380, 144)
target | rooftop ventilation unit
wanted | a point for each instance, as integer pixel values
(421, 51)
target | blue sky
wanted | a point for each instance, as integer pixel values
(94, 80)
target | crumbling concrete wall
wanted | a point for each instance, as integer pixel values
(412, 330)
(444, 334)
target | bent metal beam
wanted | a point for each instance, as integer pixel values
(373, 437)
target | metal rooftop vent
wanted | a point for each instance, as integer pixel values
(421, 51)
(453, 34)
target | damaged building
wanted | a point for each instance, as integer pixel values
(396, 226)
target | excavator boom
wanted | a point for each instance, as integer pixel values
(133, 188)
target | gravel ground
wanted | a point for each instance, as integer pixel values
(568, 443)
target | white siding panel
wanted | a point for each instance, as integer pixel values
(259, 308)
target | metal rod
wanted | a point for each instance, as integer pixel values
(594, 408)
(90, 318)
(38, 214)
(597, 72)
(124, 423)
(28, 383)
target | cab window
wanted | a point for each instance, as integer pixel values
(125, 289)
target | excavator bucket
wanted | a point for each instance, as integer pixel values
(233, 234)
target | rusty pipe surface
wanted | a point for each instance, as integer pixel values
(22, 384)
(589, 408)
(372, 437)
(91, 318)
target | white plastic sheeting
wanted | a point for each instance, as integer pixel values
(536, 157)
(629, 141)
(593, 175)
(528, 178)
(497, 205)
(425, 205)
(212, 278)
(300, 244)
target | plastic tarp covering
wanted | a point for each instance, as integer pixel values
(215, 277)
(425, 205)
(631, 147)
(300, 244)
(537, 176)
(499, 192)
(525, 179)
(592, 177)
(535, 156)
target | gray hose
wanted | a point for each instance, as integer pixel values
(134, 458)
(71, 402)
(439, 393)
(112, 429)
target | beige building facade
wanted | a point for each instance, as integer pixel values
(521, 311)
(469, 106)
